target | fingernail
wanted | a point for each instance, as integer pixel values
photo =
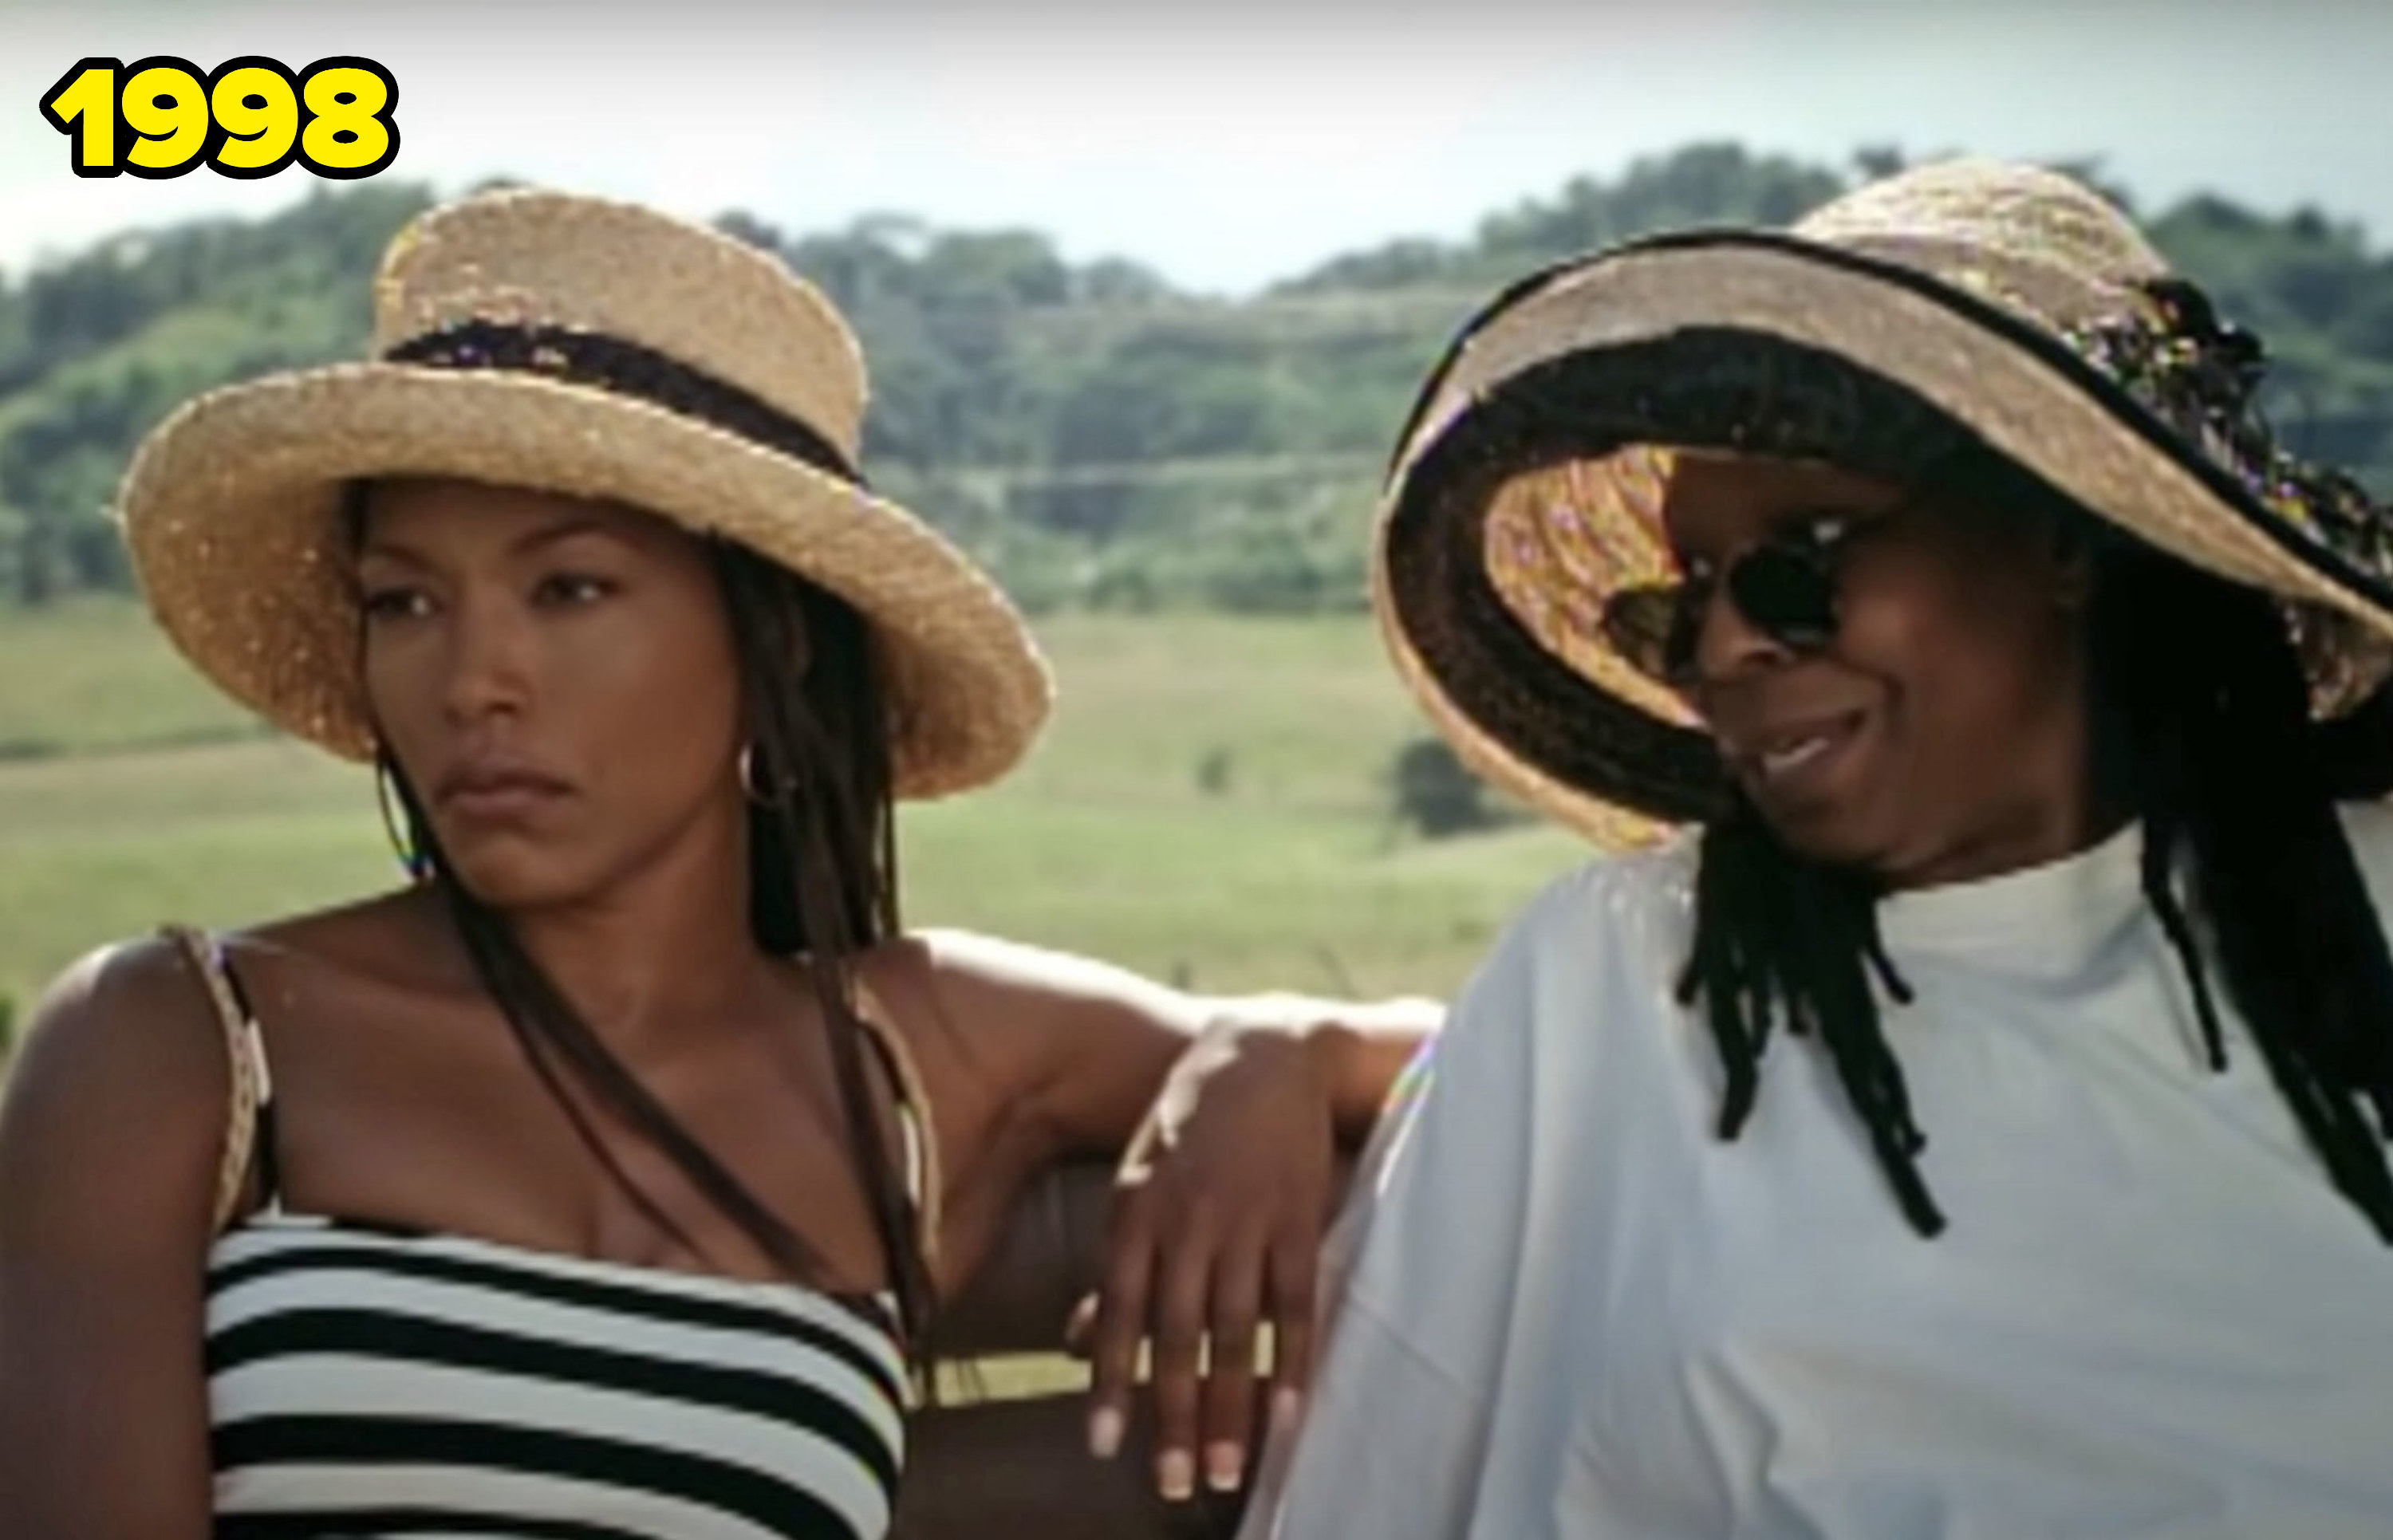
(1224, 1464)
(1105, 1433)
(1176, 1474)
(1286, 1406)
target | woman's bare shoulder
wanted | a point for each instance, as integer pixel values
(141, 1006)
(121, 1075)
(142, 996)
(402, 940)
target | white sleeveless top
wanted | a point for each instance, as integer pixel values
(1573, 1311)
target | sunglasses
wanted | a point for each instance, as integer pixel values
(1786, 587)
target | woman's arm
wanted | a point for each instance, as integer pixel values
(1083, 1046)
(1231, 1110)
(111, 1131)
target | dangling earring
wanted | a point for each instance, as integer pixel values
(417, 864)
(748, 775)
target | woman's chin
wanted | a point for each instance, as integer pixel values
(1832, 832)
(512, 877)
(1830, 842)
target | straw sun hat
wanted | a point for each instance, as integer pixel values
(575, 345)
(1962, 302)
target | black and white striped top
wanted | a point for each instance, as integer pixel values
(367, 1381)
(373, 1383)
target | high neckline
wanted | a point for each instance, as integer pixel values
(2046, 918)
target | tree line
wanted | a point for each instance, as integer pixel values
(1097, 436)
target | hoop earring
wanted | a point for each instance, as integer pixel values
(411, 859)
(748, 775)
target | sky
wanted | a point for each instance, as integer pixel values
(1233, 142)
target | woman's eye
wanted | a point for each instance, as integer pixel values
(394, 604)
(571, 588)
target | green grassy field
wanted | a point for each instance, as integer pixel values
(130, 795)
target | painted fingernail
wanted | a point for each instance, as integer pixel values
(1105, 1433)
(1286, 1407)
(1224, 1465)
(1176, 1474)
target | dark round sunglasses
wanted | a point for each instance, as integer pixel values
(1785, 587)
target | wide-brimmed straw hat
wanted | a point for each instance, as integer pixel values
(576, 346)
(1966, 303)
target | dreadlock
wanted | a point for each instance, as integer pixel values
(2203, 723)
(822, 888)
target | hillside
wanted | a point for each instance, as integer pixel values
(1102, 440)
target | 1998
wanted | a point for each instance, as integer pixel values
(249, 117)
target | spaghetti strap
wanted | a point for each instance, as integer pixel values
(249, 1112)
(915, 1125)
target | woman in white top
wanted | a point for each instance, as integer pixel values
(1971, 1123)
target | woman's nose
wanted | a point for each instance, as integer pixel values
(1727, 644)
(489, 659)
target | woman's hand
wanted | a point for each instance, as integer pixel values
(1216, 1228)
(1231, 1110)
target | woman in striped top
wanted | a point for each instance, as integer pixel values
(601, 1181)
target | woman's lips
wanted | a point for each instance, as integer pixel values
(1787, 759)
(498, 792)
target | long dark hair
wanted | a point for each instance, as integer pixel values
(822, 886)
(2203, 724)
